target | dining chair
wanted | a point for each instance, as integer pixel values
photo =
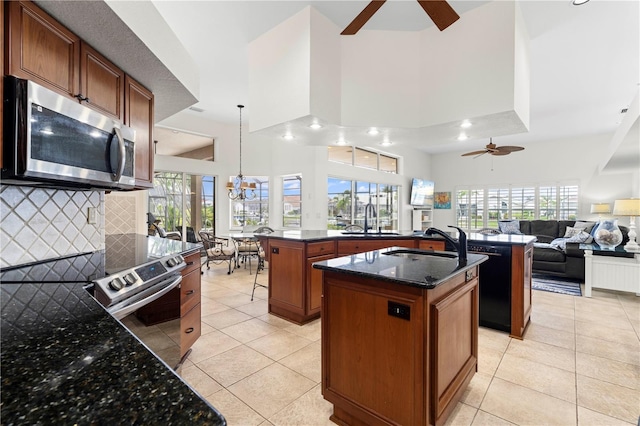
(262, 266)
(218, 249)
(247, 249)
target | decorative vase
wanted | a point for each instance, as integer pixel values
(608, 235)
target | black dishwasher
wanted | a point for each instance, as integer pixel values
(495, 285)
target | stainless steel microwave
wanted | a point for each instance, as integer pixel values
(52, 140)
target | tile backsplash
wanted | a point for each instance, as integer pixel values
(39, 223)
(120, 213)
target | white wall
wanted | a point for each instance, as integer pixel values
(564, 160)
(276, 158)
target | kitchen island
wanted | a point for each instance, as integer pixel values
(295, 288)
(399, 335)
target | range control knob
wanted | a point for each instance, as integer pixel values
(171, 262)
(116, 284)
(179, 259)
(130, 279)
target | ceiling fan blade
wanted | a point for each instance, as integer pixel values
(440, 12)
(508, 148)
(363, 17)
(501, 153)
(484, 151)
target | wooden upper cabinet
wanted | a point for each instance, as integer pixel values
(139, 116)
(101, 83)
(42, 50)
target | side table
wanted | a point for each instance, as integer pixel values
(615, 269)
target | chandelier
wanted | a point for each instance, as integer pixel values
(239, 188)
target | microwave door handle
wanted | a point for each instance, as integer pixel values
(121, 149)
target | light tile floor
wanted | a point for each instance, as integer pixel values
(579, 362)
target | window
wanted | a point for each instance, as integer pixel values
(339, 203)
(363, 158)
(341, 154)
(347, 200)
(179, 199)
(551, 202)
(256, 210)
(292, 202)
(366, 159)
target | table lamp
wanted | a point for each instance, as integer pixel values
(601, 208)
(629, 207)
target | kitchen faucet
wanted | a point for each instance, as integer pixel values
(460, 244)
(366, 216)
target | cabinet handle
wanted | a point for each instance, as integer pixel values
(81, 98)
(189, 330)
(190, 292)
(189, 263)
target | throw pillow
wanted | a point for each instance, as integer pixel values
(510, 227)
(572, 231)
(580, 237)
(586, 226)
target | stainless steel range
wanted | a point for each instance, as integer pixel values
(126, 291)
(130, 273)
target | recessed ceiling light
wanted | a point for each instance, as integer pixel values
(341, 141)
(315, 126)
(579, 2)
(463, 137)
(386, 143)
(288, 136)
(465, 124)
(373, 131)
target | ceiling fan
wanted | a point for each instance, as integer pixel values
(493, 149)
(439, 11)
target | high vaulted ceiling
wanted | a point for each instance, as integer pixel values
(585, 60)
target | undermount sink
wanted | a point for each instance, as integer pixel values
(372, 234)
(415, 253)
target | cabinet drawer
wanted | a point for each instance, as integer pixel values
(190, 328)
(320, 249)
(189, 291)
(192, 261)
(431, 245)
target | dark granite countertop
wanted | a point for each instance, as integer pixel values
(65, 360)
(415, 270)
(318, 235)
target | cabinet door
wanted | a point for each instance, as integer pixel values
(101, 83)
(42, 50)
(286, 276)
(314, 288)
(139, 116)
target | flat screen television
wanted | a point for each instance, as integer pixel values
(422, 193)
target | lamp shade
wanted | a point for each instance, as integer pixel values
(627, 207)
(601, 208)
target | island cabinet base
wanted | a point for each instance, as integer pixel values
(394, 354)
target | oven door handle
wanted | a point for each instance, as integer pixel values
(119, 311)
